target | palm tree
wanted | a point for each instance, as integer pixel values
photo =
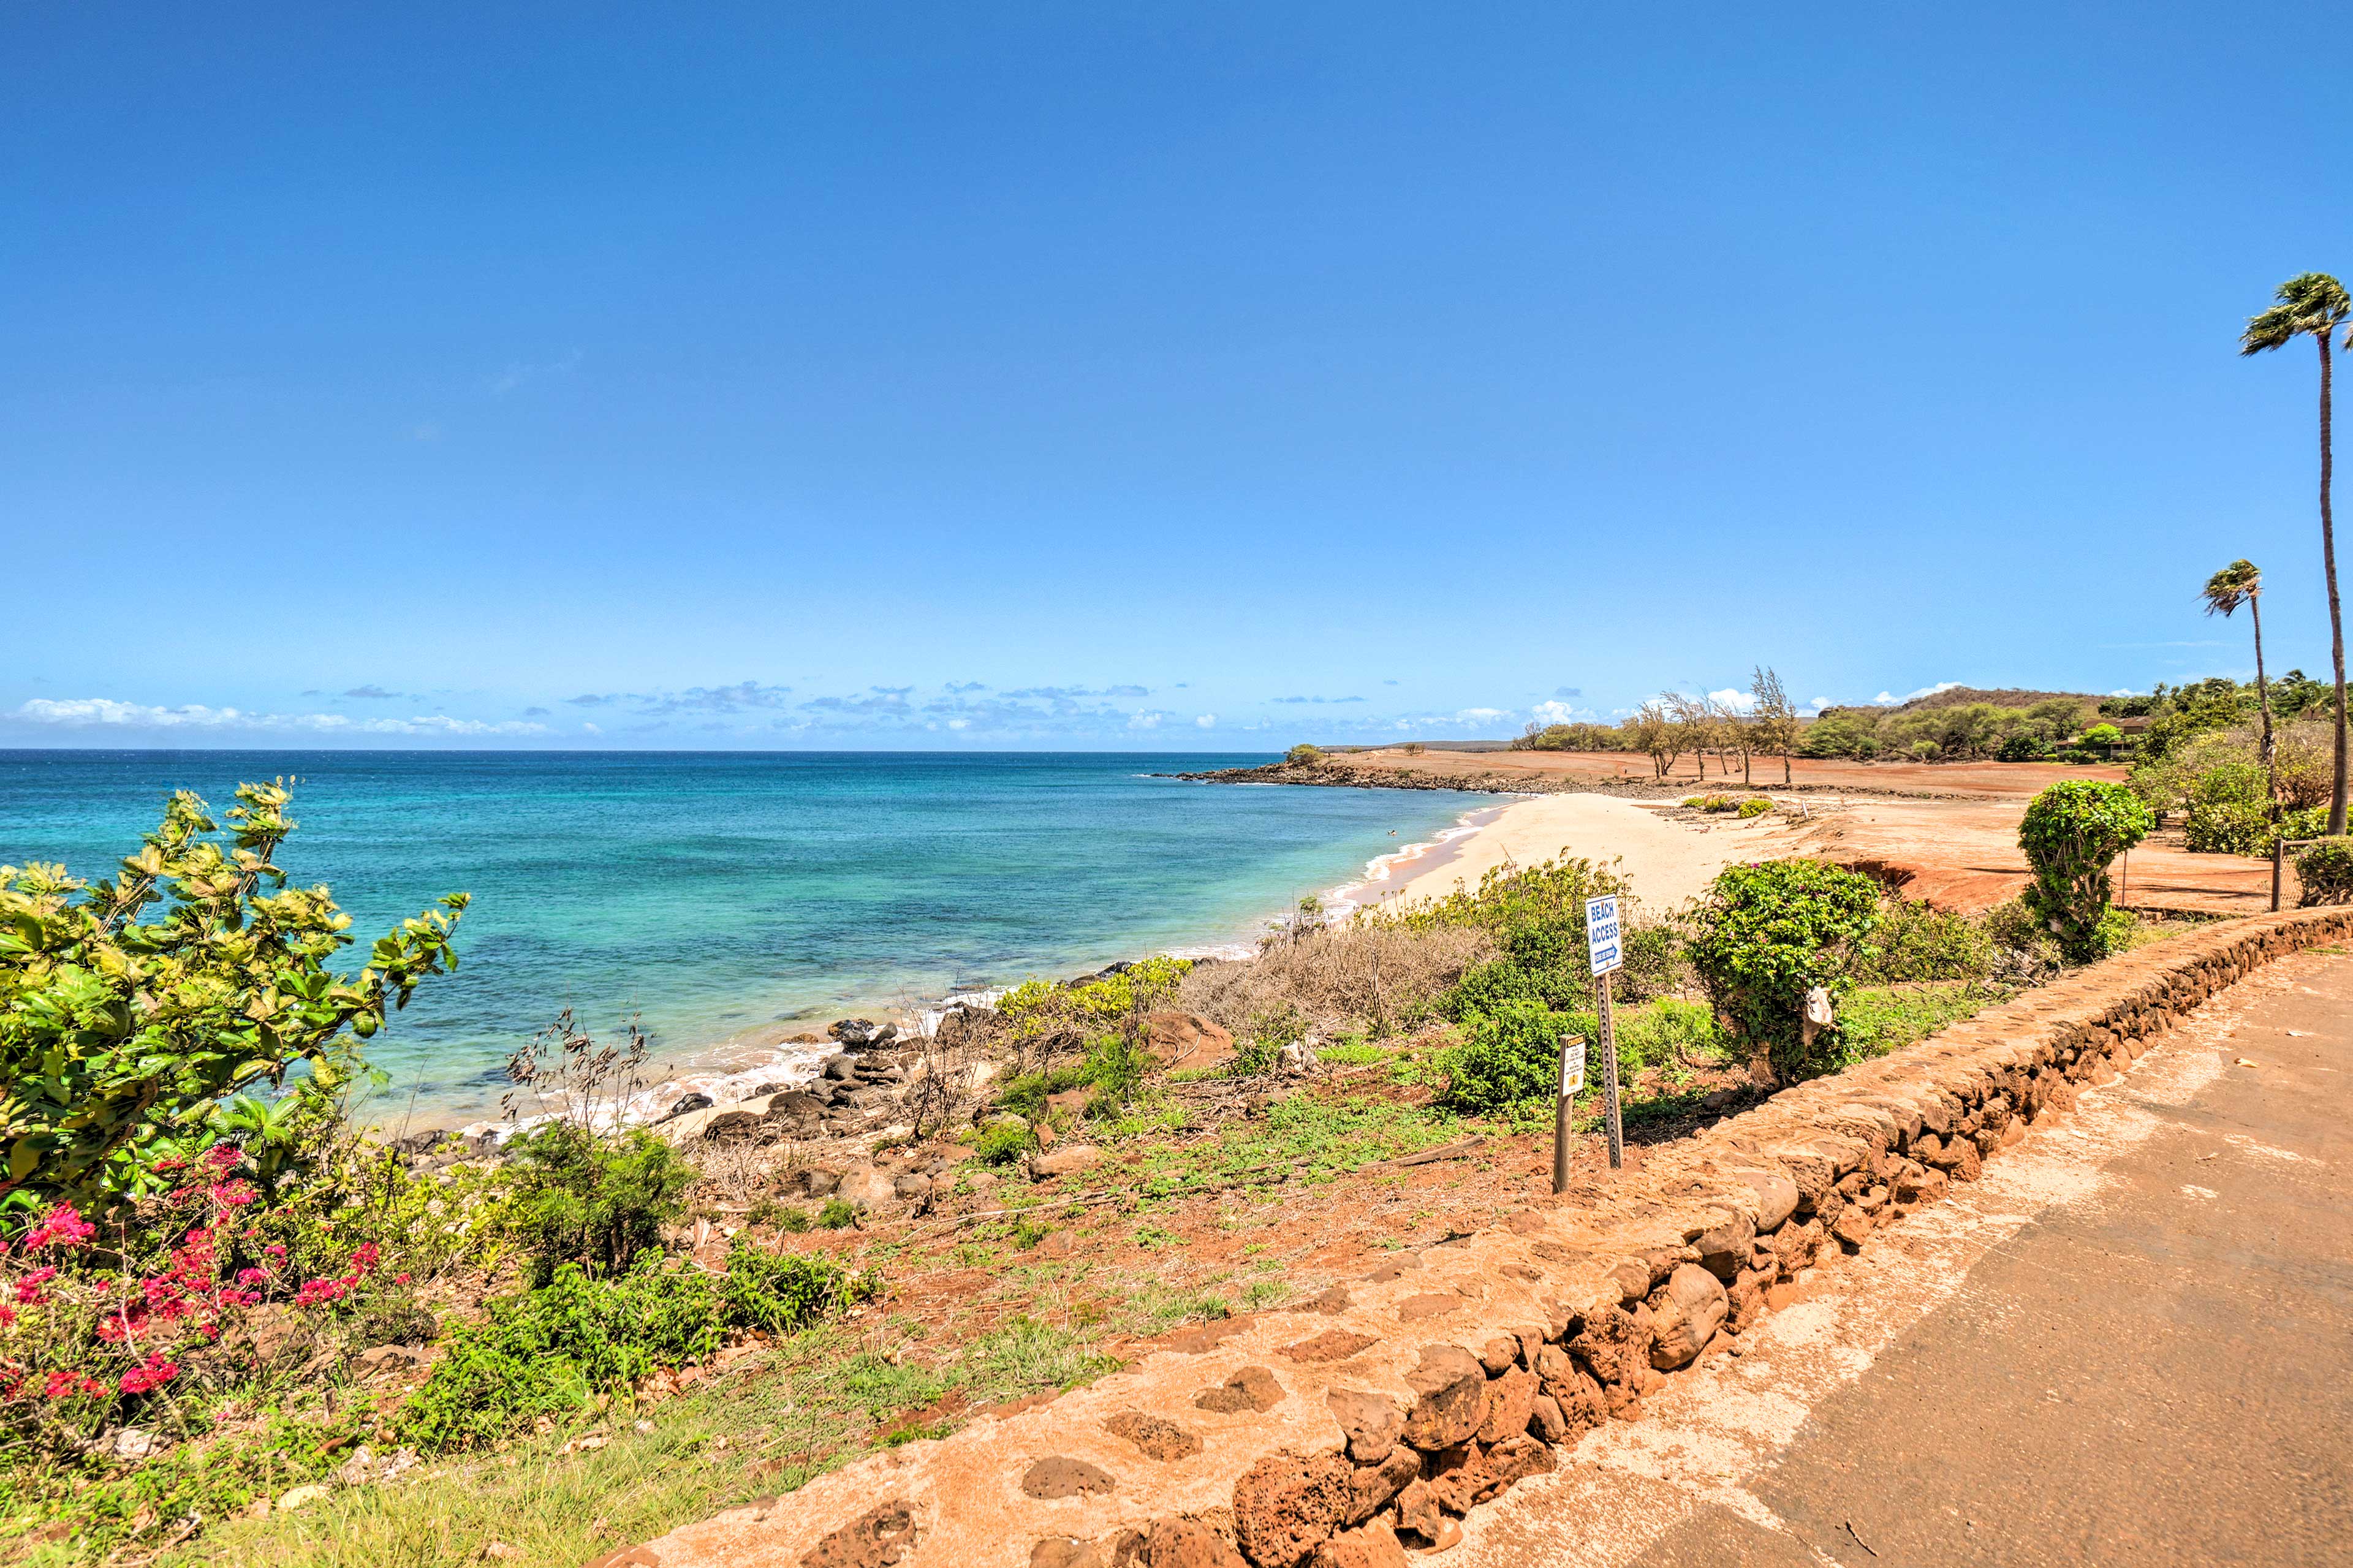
(2242, 583)
(2313, 305)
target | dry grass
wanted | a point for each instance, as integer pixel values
(1380, 977)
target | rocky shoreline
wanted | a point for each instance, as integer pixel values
(1327, 775)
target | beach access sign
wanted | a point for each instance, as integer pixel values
(1601, 935)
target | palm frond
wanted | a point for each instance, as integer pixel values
(2231, 587)
(2309, 302)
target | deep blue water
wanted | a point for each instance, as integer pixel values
(733, 897)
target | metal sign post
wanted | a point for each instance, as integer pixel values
(1572, 1078)
(1602, 944)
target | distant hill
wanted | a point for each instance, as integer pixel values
(2006, 697)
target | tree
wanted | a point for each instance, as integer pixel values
(2313, 305)
(119, 1040)
(1773, 721)
(2071, 834)
(1655, 732)
(2238, 584)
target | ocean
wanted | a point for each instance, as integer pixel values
(729, 900)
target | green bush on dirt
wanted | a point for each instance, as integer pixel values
(2072, 833)
(585, 1198)
(1506, 1059)
(1915, 942)
(1767, 934)
(553, 1349)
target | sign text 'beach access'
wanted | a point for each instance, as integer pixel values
(1601, 937)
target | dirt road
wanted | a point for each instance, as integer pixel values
(1943, 833)
(2131, 1343)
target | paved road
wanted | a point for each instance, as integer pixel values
(2133, 1345)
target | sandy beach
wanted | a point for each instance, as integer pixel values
(1670, 863)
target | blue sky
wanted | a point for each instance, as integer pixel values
(1160, 377)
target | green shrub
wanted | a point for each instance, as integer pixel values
(1754, 805)
(1116, 1066)
(835, 1214)
(1486, 989)
(2326, 871)
(118, 1036)
(1504, 1060)
(2228, 828)
(1666, 1033)
(2023, 747)
(594, 1199)
(1303, 756)
(1915, 942)
(2305, 822)
(1765, 935)
(1005, 1141)
(553, 1349)
(2072, 833)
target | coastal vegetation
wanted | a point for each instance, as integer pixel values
(254, 1341)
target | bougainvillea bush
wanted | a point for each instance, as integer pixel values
(107, 1323)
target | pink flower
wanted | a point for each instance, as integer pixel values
(251, 1277)
(64, 1226)
(364, 1258)
(275, 1251)
(154, 1372)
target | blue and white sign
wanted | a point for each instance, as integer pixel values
(1601, 934)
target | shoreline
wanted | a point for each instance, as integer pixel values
(790, 1053)
(1668, 863)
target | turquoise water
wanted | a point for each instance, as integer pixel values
(733, 898)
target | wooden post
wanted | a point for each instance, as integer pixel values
(1572, 1078)
(2279, 855)
(1609, 1075)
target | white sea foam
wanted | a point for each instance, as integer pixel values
(1345, 900)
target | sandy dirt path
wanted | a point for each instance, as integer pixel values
(1671, 862)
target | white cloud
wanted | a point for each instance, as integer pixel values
(1206, 721)
(1553, 713)
(594, 729)
(105, 712)
(1886, 700)
(1822, 702)
(1146, 719)
(2126, 691)
(1738, 701)
(1480, 715)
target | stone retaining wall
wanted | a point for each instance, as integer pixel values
(1369, 1422)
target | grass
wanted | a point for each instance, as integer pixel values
(1320, 1139)
(807, 1405)
(1351, 1054)
(1877, 1020)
